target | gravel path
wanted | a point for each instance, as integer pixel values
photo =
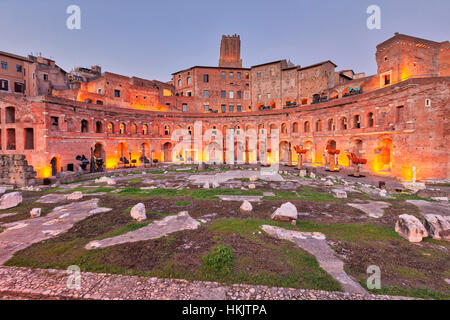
(52, 284)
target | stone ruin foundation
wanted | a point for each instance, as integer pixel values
(14, 170)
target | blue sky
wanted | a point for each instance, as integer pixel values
(152, 39)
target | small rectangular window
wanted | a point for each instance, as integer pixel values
(387, 79)
(206, 94)
(231, 75)
(258, 75)
(4, 85)
(18, 87)
(18, 68)
(184, 106)
(10, 139)
(231, 94)
(54, 123)
(29, 139)
(400, 115)
(223, 108)
(4, 65)
(223, 94)
(45, 77)
(231, 108)
(238, 108)
(239, 75)
(117, 93)
(205, 78)
(239, 94)
(222, 75)
(206, 108)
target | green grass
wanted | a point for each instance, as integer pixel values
(182, 203)
(196, 194)
(306, 194)
(409, 196)
(137, 180)
(416, 293)
(102, 189)
(336, 231)
(219, 261)
(131, 226)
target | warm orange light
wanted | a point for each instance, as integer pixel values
(44, 172)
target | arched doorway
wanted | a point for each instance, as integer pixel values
(356, 147)
(167, 149)
(214, 153)
(309, 155)
(284, 150)
(145, 153)
(382, 162)
(54, 163)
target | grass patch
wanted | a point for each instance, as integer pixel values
(409, 196)
(182, 203)
(137, 180)
(305, 194)
(337, 231)
(196, 194)
(219, 261)
(416, 293)
(102, 189)
(131, 226)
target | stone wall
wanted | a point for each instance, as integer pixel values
(14, 170)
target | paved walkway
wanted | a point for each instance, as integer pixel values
(52, 284)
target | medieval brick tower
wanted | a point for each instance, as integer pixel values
(230, 51)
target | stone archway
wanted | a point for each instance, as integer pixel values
(167, 152)
(54, 163)
(310, 153)
(284, 152)
(382, 161)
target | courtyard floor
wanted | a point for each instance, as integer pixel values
(216, 250)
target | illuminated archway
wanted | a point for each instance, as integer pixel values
(382, 161)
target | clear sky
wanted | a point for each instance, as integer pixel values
(152, 39)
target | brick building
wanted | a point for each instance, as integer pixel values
(396, 125)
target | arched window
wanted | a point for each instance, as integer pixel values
(10, 115)
(261, 128)
(110, 127)
(295, 127)
(331, 126)
(318, 125)
(98, 127)
(344, 124)
(84, 126)
(370, 120)
(284, 128)
(273, 127)
(357, 121)
(122, 128)
(145, 129)
(306, 126)
(133, 128)
(100, 102)
(156, 130)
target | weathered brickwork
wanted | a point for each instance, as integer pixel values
(396, 127)
(14, 169)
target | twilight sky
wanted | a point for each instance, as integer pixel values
(152, 39)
